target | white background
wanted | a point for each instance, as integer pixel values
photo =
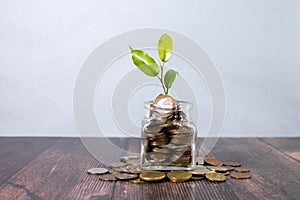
(254, 44)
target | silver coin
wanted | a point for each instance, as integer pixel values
(200, 171)
(97, 171)
(218, 169)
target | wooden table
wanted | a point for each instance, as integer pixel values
(55, 168)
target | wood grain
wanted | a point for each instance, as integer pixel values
(52, 168)
(15, 153)
(288, 146)
(274, 175)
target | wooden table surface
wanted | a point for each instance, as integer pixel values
(55, 168)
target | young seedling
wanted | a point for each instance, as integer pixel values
(149, 67)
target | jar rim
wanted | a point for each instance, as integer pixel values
(183, 105)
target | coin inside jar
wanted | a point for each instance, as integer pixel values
(165, 101)
(152, 176)
(179, 176)
(158, 157)
(163, 106)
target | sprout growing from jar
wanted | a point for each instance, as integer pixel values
(149, 67)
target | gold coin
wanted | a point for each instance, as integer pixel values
(158, 157)
(126, 176)
(136, 181)
(179, 176)
(242, 169)
(97, 171)
(200, 171)
(215, 176)
(152, 128)
(232, 163)
(152, 176)
(117, 164)
(107, 177)
(212, 161)
(238, 175)
(159, 143)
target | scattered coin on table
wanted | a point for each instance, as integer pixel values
(229, 168)
(126, 176)
(152, 176)
(113, 171)
(242, 169)
(215, 176)
(200, 171)
(97, 171)
(179, 176)
(238, 175)
(212, 161)
(217, 168)
(129, 169)
(232, 163)
(108, 177)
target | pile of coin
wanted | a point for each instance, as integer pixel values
(167, 138)
(129, 169)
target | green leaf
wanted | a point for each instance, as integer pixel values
(165, 48)
(144, 62)
(169, 78)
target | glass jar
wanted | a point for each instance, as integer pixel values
(168, 138)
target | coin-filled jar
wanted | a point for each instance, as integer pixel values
(168, 137)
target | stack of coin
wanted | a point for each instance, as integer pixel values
(168, 141)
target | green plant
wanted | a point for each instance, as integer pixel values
(149, 67)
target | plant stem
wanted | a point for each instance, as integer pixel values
(161, 77)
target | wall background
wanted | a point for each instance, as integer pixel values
(255, 45)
